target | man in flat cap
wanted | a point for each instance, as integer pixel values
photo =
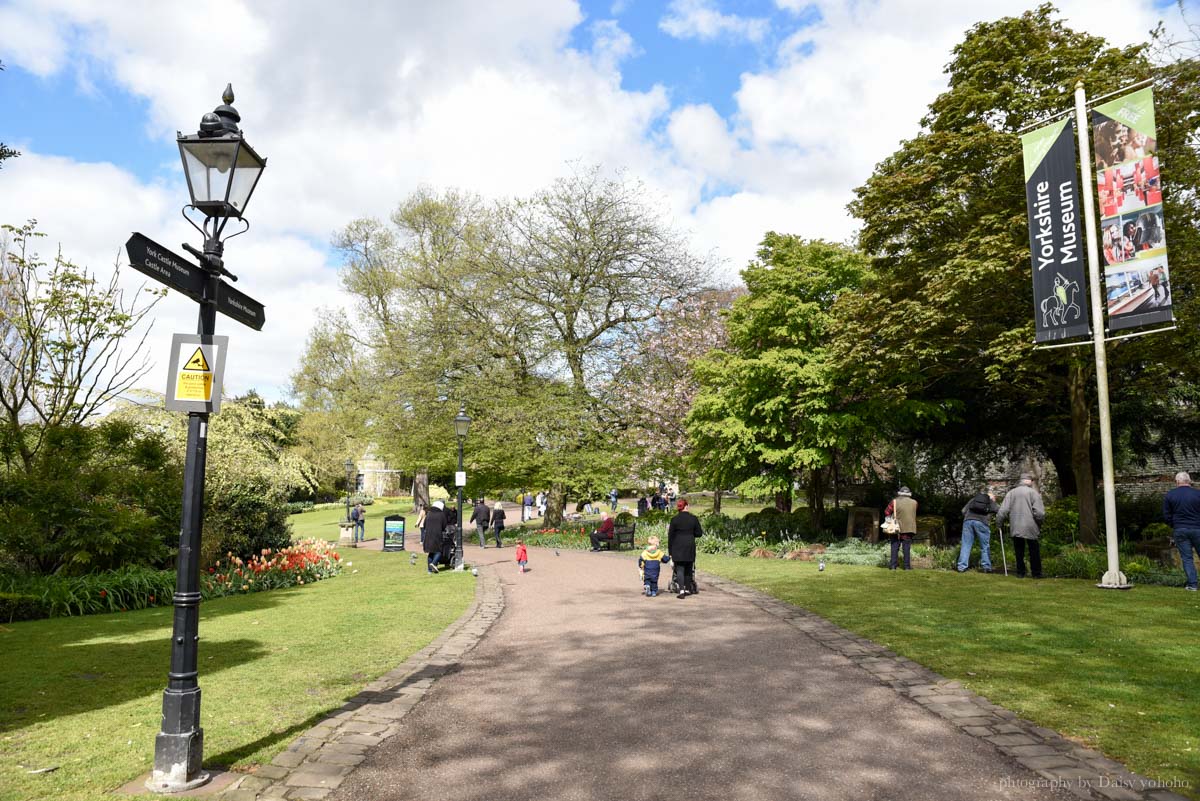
(1023, 507)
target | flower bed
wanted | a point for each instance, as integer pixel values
(302, 563)
(32, 597)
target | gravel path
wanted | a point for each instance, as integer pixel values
(584, 689)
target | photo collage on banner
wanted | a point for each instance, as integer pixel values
(1056, 233)
(1136, 278)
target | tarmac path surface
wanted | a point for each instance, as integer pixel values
(585, 689)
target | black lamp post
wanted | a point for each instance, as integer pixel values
(222, 171)
(462, 424)
(349, 465)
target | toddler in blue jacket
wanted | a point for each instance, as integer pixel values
(649, 563)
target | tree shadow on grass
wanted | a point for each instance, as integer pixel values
(66, 666)
(84, 678)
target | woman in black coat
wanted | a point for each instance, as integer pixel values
(682, 534)
(436, 523)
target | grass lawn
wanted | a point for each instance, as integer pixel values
(1115, 670)
(323, 524)
(85, 693)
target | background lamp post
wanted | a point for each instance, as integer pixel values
(222, 171)
(462, 424)
(349, 465)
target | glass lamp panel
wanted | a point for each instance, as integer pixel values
(461, 424)
(209, 166)
(245, 177)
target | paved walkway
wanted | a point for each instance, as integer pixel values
(580, 688)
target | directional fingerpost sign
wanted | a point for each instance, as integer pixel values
(149, 257)
(152, 259)
(197, 367)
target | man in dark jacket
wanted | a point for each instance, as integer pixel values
(976, 525)
(436, 524)
(682, 534)
(1181, 509)
(498, 518)
(481, 516)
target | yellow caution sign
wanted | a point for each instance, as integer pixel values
(197, 373)
(198, 363)
(193, 386)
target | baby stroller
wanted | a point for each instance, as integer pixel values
(449, 547)
(673, 587)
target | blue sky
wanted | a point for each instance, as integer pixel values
(81, 112)
(738, 116)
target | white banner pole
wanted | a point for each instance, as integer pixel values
(1113, 579)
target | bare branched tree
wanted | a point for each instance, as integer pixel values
(63, 348)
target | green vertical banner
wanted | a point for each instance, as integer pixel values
(1136, 278)
(1056, 238)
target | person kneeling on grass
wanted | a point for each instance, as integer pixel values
(649, 563)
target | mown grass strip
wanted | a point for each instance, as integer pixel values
(84, 694)
(1115, 670)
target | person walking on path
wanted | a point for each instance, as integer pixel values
(1024, 508)
(904, 509)
(682, 533)
(436, 525)
(527, 507)
(498, 523)
(976, 515)
(612, 499)
(1181, 510)
(359, 516)
(522, 556)
(481, 516)
(541, 504)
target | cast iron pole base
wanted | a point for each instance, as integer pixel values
(1114, 580)
(181, 753)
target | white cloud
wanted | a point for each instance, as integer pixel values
(357, 104)
(700, 19)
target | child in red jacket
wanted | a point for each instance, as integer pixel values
(522, 556)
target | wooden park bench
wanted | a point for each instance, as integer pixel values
(624, 527)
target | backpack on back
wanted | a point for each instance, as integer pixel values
(981, 504)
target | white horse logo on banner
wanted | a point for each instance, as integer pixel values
(1060, 308)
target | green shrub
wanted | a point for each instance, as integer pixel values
(131, 587)
(855, 552)
(1135, 513)
(944, 558)
(363, 498)
(710, 544)
(1156, 531)
(1078, 563)
(296, 507)
(95, 497)
(15, 606)
(1062, 521)
(244, 517)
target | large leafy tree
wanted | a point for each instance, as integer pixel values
(771, 402)
(943, 331)
(656, 385)
(519, 310)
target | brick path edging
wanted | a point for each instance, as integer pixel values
(1061, 763)
(316, 762)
